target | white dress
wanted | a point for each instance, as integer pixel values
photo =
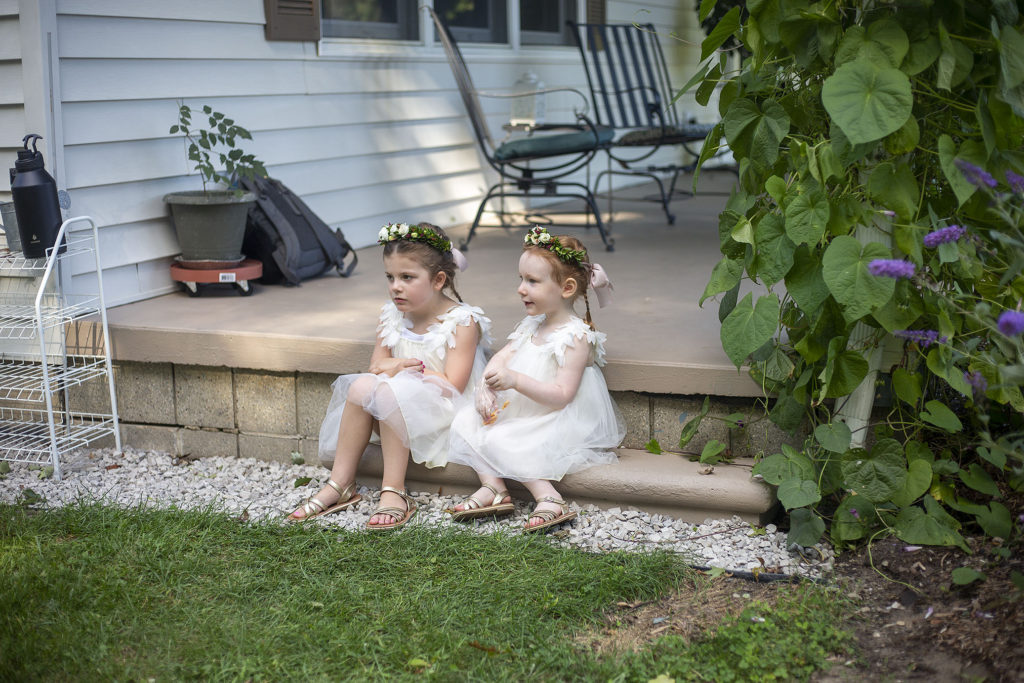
(530, 441)
(417, 406)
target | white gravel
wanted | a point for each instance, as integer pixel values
(266, 490)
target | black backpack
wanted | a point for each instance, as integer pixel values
(293, 243)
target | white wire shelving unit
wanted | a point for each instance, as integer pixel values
(47, 347)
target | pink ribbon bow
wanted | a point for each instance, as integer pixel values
(601, 285)
(459, 258)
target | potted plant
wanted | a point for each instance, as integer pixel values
(210, 223)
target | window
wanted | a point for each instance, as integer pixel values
(475, 21)
(543, 22)
(387, 19)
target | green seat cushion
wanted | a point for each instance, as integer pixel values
(554, 145)
(670, 135)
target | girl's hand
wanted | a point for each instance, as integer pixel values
(500, 379)
(393, 366)
(485, 401)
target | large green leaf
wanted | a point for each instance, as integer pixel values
(724, 276)
(805, 282)
(798, 493)
(907, 386)
(971, 151)
(894, 187)
(806, 217)
(774, 249)
(876, 475)
(1011, 56)
(913, 525)
(789, 464)
(844, 370)
(995, 520)
(853, 519)
(955, 61)
(919, 480)
(833, 436)
(805, 527)
(978, 479)
(725, 27)
(866, 100)
(754, 133)
(921, 55)
(845, 271)
(883, 42)
(938, 414)
(749, 326)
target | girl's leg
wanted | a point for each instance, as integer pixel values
(353, 435)
(539, 488)
(396, 461)
(485, 495)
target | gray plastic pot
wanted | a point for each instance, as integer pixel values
(210, 225)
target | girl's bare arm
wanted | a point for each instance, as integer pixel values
(555, 394)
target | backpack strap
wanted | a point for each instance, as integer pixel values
(318, 225)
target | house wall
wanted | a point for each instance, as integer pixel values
(365, 132)
(12, 98)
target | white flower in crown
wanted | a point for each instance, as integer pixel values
(383, 234)
(403, 229)
(545, 237)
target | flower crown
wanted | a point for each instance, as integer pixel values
(413, 233)
(540, 237)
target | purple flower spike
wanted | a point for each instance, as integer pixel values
(923, 338)
(950, 233)
(854, 513)
(977, 382)
(893, 268)
(1016, 182)
(975, 175)
(1011, 323)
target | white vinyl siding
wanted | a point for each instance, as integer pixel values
(374, 132)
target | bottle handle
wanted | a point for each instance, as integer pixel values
(34, 138)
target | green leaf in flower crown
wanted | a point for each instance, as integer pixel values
(845, 270)
(919, 480)
(724, 276)
(805, 527)
(806, 217)
(936, 413)
(753, 133)
(774, 249)
(749, 326)
(805, 282)
(844, 370)
(833, 436)
(878, 474)
(894, 187)
(798, 493)
(866, 100)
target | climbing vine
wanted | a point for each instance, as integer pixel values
(877, 222)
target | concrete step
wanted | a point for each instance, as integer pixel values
(667, 484)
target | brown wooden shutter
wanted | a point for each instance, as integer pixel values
(292, 19)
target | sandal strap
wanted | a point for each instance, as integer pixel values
(343, 493)
(307, 507)
(472, 502)
(397, 513)
(560, 503)
(544, 515)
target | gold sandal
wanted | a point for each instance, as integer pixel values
(314, 507)
(473, 508)
(403, 516)
(549, 518)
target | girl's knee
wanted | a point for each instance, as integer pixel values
(360, 390)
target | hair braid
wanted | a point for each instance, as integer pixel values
(587, 319)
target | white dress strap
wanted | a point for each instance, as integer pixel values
(566, 335)
(443, 331)
(392, 322)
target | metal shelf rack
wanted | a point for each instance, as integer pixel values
(42, 355)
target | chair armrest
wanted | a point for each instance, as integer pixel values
(509, 95)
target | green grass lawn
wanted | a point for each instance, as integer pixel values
(97, 593)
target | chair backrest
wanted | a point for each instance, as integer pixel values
(465, 83)
(627, 74)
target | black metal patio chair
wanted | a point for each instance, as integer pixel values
(542, 161)
(631, 92)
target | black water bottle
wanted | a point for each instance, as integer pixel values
(34, 192)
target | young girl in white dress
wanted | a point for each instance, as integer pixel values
(429, 349)
(543, 408)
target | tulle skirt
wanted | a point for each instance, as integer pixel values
(419, 408)
(529, 441)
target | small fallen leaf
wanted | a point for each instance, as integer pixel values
(417, 663)
(5, 468)
(302, 481)
(485, 648)
(112, 467)
(963, 576)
